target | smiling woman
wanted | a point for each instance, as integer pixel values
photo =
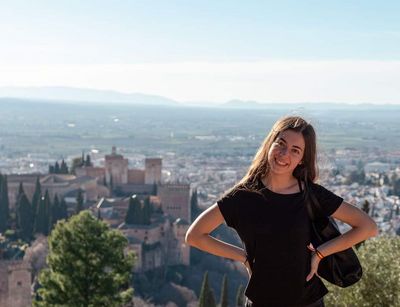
(267, 208)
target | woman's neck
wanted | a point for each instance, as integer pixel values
(279, 183)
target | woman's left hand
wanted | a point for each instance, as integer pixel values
(314, 263)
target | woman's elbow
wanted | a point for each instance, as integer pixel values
(373, 230)
(190, 238)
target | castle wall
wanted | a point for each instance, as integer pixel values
(136, 176)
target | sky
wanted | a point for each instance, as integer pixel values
(215, 51)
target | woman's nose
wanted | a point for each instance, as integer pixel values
(283, 151)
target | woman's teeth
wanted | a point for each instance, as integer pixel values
(280, 163)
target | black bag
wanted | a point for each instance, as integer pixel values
(342, 268)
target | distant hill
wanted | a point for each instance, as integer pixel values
(237, 103)
(71, 94)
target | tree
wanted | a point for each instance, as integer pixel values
(56, 168)
(240, 296)
(54, 212)
(111, 186)
(76, 162)
(4, 204)
(36, 198)
(47, 208)
(63, 209)
(146, 212)
(19, 194)
(134, 214)
(79, 201)
(24, 217)
(88, 162)
(63, 167)
(194, 205)
(366, 207)
(88, 265)
(380, 284)
(224, 292)
(206, 297)
(130, 214)
(40, 220)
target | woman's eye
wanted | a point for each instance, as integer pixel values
(296, 151)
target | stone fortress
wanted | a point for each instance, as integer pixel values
(160, 243)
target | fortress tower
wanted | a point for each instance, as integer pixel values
(152, 170)
(15, 284)
(116, 167)
(175, 200)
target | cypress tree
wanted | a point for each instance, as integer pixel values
(47, 208)
(4, 205)
(240, 296)
(194, 206)
(40, 221)
(63, 209)
(20, 189)
(36, 198)
(224, 292)
(366, 207)
(206, 297)
(79, 201)
(56, 168)
(130, 214)
(146, 211)
(63, 167)
(88, 162)
(54, 212)
(99, 215)
(25, 218)
(111, 184)
(76, 162)
(17, 203)
(51, 169)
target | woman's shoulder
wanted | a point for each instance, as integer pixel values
(241, 190)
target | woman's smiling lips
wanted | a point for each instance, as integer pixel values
(280, 163)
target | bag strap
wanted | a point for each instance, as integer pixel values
(310, 200)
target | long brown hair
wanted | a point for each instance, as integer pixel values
(307, 171)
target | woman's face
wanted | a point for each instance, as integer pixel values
(286, 152)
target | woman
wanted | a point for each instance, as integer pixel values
(267, 209)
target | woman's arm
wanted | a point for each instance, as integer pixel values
(363, 227)
(198, 236)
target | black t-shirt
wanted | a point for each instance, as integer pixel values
(275, 229)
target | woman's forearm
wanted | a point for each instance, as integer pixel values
(217, 247)
(345, 241)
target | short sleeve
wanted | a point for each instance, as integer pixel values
(228, 205)
(328, 201)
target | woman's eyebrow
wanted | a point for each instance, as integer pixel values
(281, 138)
